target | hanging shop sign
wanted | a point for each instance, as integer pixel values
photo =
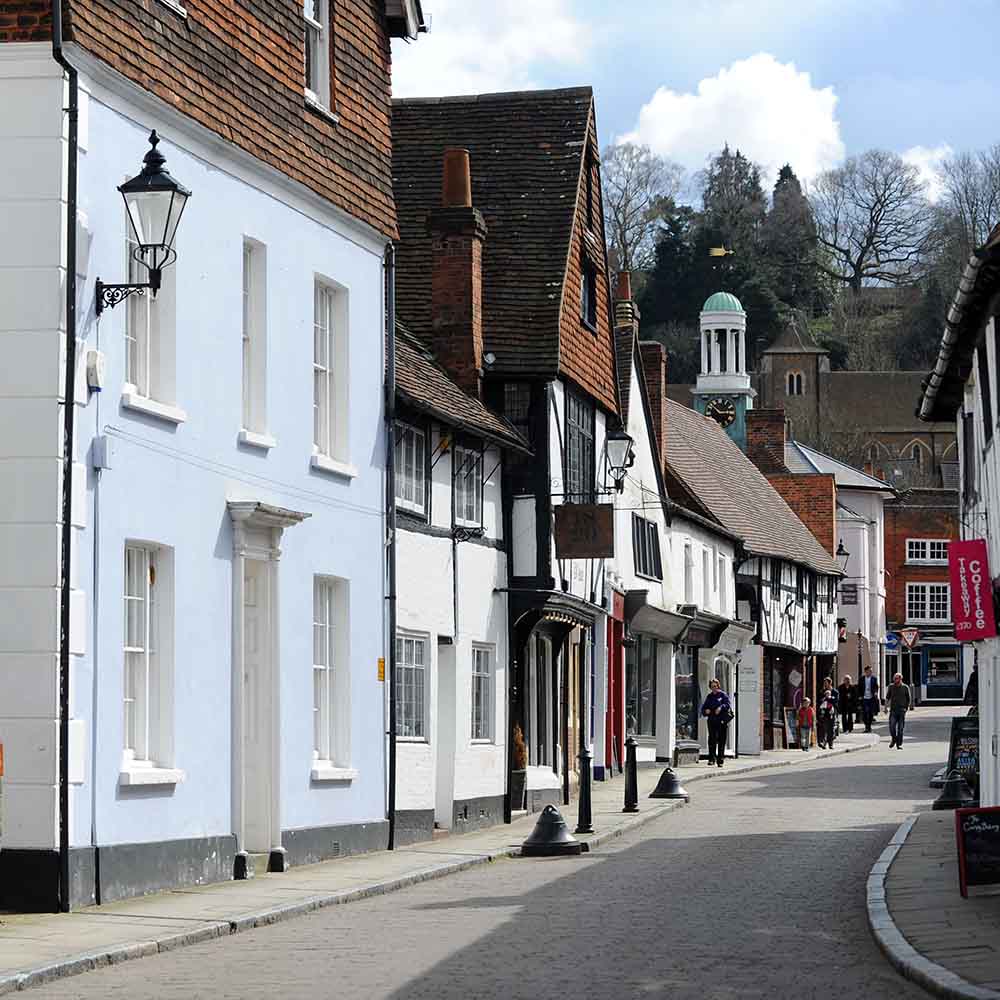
(585, 531)
(848, 593)
(971, 590)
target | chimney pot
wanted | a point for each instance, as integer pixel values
(624, 290)
(456, 183)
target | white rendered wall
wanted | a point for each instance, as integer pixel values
(169, 483)
(32, 342)
(427, 575)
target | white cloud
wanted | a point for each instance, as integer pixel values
(500, 47)
(928, 160)
(769, 110)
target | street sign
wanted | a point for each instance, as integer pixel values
(909, 636)
(891, 642)
(585, 531)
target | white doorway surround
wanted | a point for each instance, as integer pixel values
(256, 705)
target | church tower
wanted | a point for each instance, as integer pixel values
(723, 391)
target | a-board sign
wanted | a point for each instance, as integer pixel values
(978, 835)
(963, 751)
(791, 728)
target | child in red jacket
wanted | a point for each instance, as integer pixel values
(806, 720)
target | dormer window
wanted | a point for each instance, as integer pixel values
(316, 14)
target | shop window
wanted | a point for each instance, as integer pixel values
(686, 695)
(640, 687)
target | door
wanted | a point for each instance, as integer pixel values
(446, 737)
(748, 699)
(257, 737)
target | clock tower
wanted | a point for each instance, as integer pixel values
(723, 391)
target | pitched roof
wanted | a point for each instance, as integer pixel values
(711, 467)
(423, 384)
(792, 340)
(801, 459)
(526, 153)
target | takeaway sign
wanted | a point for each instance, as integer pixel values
(971, 591)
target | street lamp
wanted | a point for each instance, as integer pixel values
(619, 448)
(154, 202)
(843, 556)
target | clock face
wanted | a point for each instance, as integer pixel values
(722, 410)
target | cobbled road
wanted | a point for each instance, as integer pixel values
(757, 889)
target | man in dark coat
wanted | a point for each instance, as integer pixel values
(868, 696)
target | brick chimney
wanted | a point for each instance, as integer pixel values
(766, 440)
(457, 232)
(626, 311)
(654, 367)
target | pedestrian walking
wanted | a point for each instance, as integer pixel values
(868, 696)
(806, 717)
(827, 714)
(719, 713)
(899, 703)
(972, 688)
(848, 696)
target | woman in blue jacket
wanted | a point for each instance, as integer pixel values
(719, 712)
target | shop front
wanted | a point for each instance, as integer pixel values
(784, 687)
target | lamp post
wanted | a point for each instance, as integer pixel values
(620, 451)
(843, 558)
(584, 816)
(154, 202)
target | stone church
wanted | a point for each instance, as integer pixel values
(867, 419)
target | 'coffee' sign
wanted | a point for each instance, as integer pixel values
(971, 590)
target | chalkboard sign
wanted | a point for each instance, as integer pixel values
(791, 728)
(978, 835)
(963, 753)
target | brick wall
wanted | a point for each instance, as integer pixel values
(26, 21)
(585, 355)
(654, 366)
(814, 500)
(239, 70)
(918, 514)
(766, 439)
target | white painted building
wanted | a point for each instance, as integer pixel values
(965, 386)
(451, 626)
(225, 571)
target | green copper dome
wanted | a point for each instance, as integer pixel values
(722, 302)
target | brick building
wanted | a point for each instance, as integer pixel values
(918, 526)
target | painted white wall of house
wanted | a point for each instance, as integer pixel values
(169, 483)
(426, 603)
(32, 343)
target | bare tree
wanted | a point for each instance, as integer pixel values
(637, 182)
(873, 219)
(972, 193)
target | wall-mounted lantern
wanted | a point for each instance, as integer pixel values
(843, 556)
(155, 203)
(621, 455)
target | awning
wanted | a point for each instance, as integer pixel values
(648, 619)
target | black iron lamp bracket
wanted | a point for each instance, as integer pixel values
(111, 295)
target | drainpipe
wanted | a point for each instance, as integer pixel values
(390, 527)
(69, 406)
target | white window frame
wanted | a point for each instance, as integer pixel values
(688, 573)
(412, 486)
(943, 590)
(331, 680)
(468, 477)
(253, 420)
(147, 666)
(149, 363)
(317, 50)
(330, 376)
(706, 577)
(918, 551)
(409, 715)
(482, 678)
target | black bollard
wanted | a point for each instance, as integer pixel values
(669, 787)
(955, 794)
(631, 777)
(551, 837)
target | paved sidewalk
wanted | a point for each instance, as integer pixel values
(932, 935)
(36, 948)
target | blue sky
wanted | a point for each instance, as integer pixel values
(808, 81)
